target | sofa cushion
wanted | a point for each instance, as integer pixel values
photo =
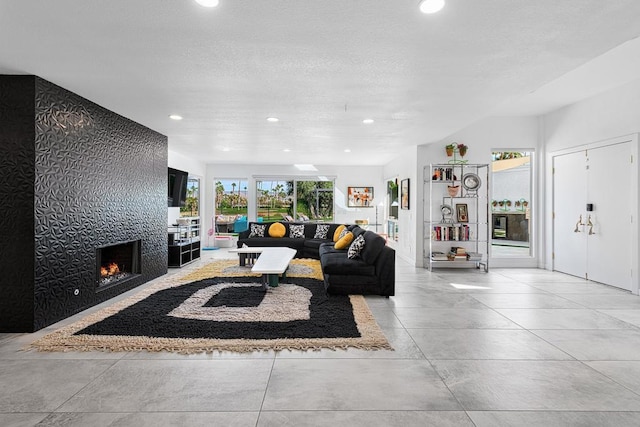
(314, 243)
(277, 230)
(257, 230)
(356, 247)
(357, 230)
(344, 241)
(328, 248)
(321, 231)
(338, 263)
(336, 234)
(296, 231)
(373, 245)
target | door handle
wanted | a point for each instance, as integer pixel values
(578, 224)
(590, 225)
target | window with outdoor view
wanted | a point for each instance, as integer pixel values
(231, 203)
(294, 200)
(274, 200)
(192, 202)
(314, 201)
(511, 204)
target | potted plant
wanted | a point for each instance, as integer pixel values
(462, 149)
(450, 148)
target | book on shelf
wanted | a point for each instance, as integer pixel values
(438, 256)
(451, 232)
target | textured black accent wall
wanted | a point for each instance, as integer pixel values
(97, 178)
(17, 176)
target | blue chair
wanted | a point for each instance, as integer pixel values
(240, 225)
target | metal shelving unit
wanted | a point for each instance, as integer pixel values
(456, 218)
(184, 243)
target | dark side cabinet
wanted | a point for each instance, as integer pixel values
(184, 242)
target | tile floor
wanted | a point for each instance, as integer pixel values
(514, 347)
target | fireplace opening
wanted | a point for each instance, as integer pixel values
(117, 263)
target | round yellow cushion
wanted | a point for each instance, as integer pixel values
(345, 241)
(277, 230)
(336, 234)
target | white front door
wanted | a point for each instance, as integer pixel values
(592, 207)
(609, 190)
(569, 198)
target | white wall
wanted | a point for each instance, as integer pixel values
(512, 184)
(608, 115)
(484, 137)
(405, 166)
(345, 176)
(195, 168)
(605, 116)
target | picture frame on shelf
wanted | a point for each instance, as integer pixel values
(360, 197)
(404, 194)
(462, 212)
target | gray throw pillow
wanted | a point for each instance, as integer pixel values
(321, 231)
(356, 247)
(257, 230)
(296, 231)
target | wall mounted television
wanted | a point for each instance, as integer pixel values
(177, 188)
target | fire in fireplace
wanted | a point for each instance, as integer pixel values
(117, 263)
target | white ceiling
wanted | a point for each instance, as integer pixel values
(321, 67)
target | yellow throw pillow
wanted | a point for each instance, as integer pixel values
(345, 241)
(277, 230)
(336, 234)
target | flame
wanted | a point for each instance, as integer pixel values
(110, 270)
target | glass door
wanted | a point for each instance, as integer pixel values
(511, 204)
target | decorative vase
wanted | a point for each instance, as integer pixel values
(462, 151)
(449, 151)
(453, 190)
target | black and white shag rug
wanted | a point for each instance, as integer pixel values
(222, 307)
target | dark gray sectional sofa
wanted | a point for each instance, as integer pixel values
(371, 273)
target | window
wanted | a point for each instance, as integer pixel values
(295, 200)
(314, 200)
(511, 203)
(274, 200)
(230, 203)
(192, 202)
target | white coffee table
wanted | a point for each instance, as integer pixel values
(248, 253)
(272, 263)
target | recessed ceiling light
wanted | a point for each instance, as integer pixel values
(347, 150)
(306, 167)
(175, 117)
(226, 149)
(431, 6)
(367, 121)
(286, 150)
(208, 3)
(273, 119)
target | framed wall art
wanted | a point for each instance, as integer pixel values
(360, 197)
(404, 194)
(462, 212)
